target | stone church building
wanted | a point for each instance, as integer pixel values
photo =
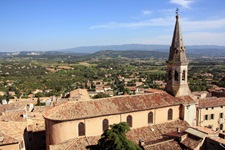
(156, 118)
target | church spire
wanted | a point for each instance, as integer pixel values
(177, 49)
(177, 64)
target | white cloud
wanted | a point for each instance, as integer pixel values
(183, 3)
(146, 12)
(186, 25)
(151, 22)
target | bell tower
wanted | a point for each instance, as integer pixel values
(177, 64)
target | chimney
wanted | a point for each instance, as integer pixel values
(141, 142)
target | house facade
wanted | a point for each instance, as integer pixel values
(211, 113)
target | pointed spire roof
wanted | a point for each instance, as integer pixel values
(177, 49)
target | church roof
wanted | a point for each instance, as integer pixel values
(177, 49)
(74, 110)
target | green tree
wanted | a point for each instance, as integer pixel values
(126, 90)
(39, 103)
(115, 139)
(101, 95)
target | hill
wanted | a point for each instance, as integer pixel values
(204, 50)
(128, 54)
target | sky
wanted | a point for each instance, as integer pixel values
(40, 25)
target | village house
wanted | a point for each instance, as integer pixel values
(211, 113)
(79, 94)
(22, 126)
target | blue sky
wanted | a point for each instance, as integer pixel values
(58, 24)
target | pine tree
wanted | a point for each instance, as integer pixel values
(115, 139)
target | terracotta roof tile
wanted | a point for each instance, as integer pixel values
(156, 133)
(191, 141)
(211, 102)
(166, 145)
(187, 99)
(13, 129)
(112, 105)
(36, 125)
(7, 140)
(12, 106)
(14, 115)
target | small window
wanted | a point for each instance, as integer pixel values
(170, 114)
(212, 116)
(105, 124)
(221, 115)
(129, 120)
(176, 76)
(183, 75)
(221, 106)
(212, 108)
(206, 108)
(206, 117)
(81, 129)
(150, 117)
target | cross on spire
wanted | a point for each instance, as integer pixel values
(177, 10)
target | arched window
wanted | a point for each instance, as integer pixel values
(221, 126)
(150, 117)
(170, 114)
(176, 76)
(183, 75)
(129, 120)
(105, 124)
(81, 129)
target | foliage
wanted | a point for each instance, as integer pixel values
(100, 95)
(115, 139)
(39, 103)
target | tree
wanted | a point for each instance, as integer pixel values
(39, 103)
(100, 95)
(115, 138)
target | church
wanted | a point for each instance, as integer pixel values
(156, 120)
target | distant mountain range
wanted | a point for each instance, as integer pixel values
(203, 50)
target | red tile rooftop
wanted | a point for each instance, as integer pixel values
(165, 145)
(191, 142)
(112, 105)
(36, 126)
(150, 90)
(205, 130)
(13, 129)
(7, 140)
(211, 102)
(17, 115)
(12, 106)
(157, 133)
